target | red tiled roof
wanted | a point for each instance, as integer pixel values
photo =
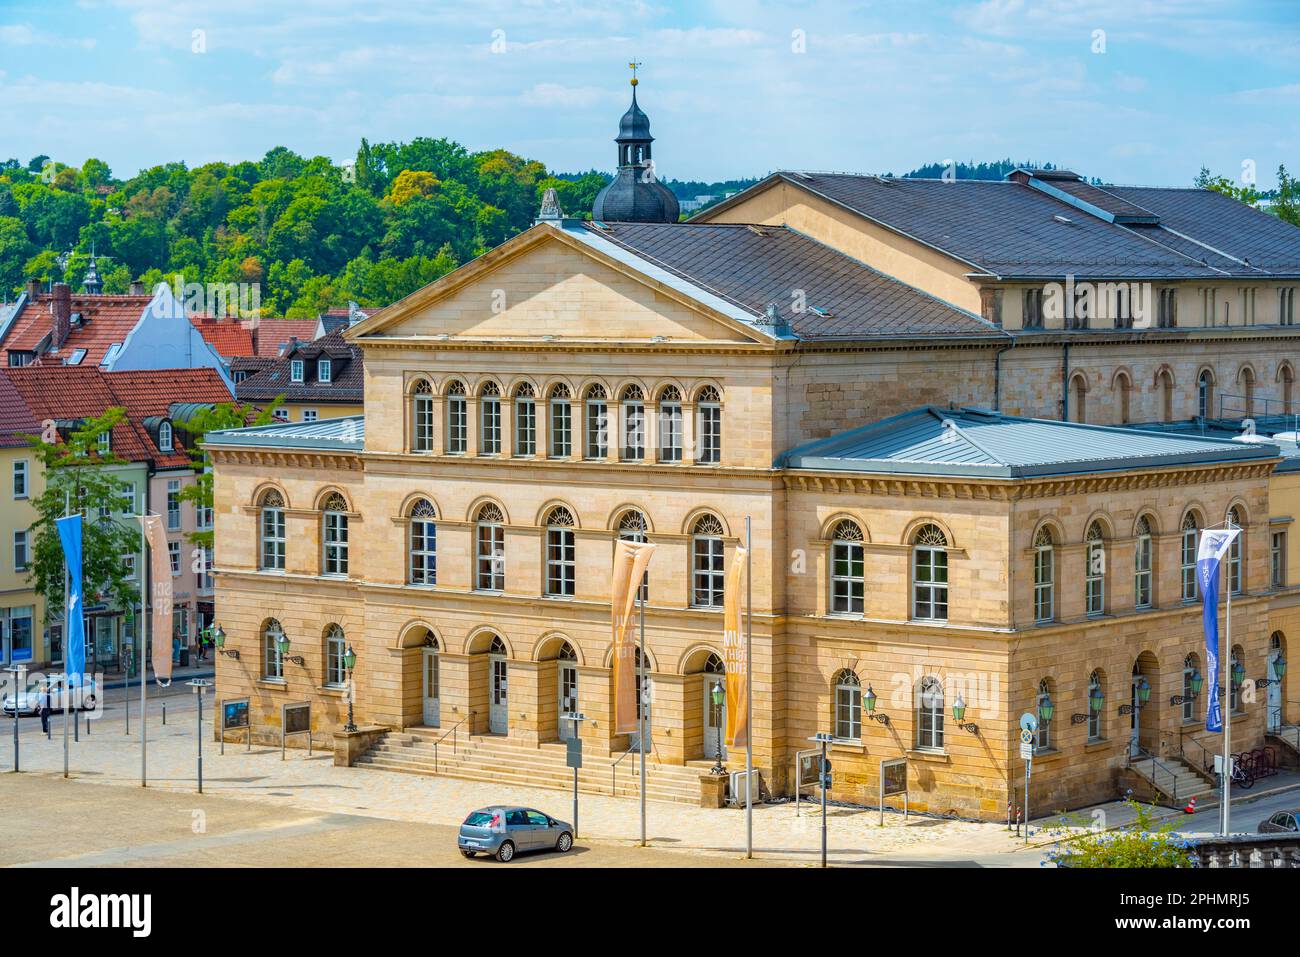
(17, 418)
(105, 320)
(271, 334)
(227, 336)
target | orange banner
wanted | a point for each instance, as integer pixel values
(631, 559)
(160, 574)
(733, 654)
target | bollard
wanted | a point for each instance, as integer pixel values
(164, 712)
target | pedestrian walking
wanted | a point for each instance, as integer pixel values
(45, 708)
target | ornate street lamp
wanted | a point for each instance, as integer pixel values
(219, 639)
(1144, 690)
(1046, 709)
(283, 644)
(869, 705)
(1096, 700)
(719, 697)
(1279, 672)
(1238, 672)
(959, 715)
(349, 662)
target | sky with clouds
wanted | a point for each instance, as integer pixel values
(1132, 91)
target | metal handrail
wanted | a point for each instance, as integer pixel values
(1207, 757)
(1157, 765)
(1290, 734)
(613, 768)
(450, 731)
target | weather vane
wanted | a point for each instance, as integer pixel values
(634, 66)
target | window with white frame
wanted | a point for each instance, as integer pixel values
(457, 419)
(561, 553)
(1142, 566)
(1044, 576)
(597, 411)
(1190, 674)
(336, 646)
(561, 430)
(273, 531)
(1204, 394)
(205, 569)
(489, 419)
(1236, 580)
(423, 565)
(1094, 583)
(633, 527)
(1187, 563)
(930, 574)
(20, 474)
(1277, 561)
(525, 420)
(335, 535)
(174, 557)
(632, 431)
(848, 575)
(1044, 709)
(707, 553)
(203, 516)
(173, 504)
(309, 415)
(708, 413)
(104, 443)
(670, 424)
(422, 416)
(324, 370)
(929, 714)
(21, 554)
(490, 548)
(848, 706)
(1096, 706)
(128, 565)
(272, 660)
(296, 370)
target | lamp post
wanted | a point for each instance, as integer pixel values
(198, 684)
(20, 679)
(718, 697)
(349, 662)
(959, 715)
(219, 639)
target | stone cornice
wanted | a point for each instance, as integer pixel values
(606, 346)
(293, 458)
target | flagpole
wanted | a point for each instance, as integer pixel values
(641, 708)
(749, 689)
(144, 646)
(67, 638)
(1225, 641)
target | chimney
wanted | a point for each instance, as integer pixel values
(33, 289)
(137, 288)
(61, 310)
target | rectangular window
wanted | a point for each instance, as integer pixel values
(1142, 572)
(489, 437)
(273, 539)
(296, 370)
(709, 579)
(1188, 564)
(20, 478)
(174, 557)
(1286, 306)
(203, 517)
(424, 552)
(1167, 309)
(1044, 583)
(281, 414)
(324, 371)
(20, 550)
(930, 584)
(709, 437)
(597, 429)
(128, 565)
(1095, 579)
(309, 415)
(173, 504)
(20, 634)
(423, 424)
(128, 498)
(336, 544)
(205, 572)
(561, 429)
(181, 624)
(525, 426)
(1279, 560)
(848, 712)
(848, 583)
(1031, 309)
(491, 549)
(561, 562)
(670, 431)
(457, 425)
(633, 412)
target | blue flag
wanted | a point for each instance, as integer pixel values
(1215, 543)
(74, 654)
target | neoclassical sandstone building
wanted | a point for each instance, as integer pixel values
(878, 405)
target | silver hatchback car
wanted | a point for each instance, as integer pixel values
(504, 832)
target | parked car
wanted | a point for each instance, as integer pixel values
(1283, 822)
(504, 832)
(29, 701)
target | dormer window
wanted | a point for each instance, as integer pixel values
(295, 370)
(165, 443)
(323, 371)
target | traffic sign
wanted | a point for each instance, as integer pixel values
(1027, 751)
(1028, 722)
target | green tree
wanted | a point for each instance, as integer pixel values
(1286, 198)
(15, 250)
(1141, 843)
(1221, 184)
(79, 477)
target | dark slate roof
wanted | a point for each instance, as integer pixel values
(347, 374)
(1018, 230)
(976, 442)
(751, 266)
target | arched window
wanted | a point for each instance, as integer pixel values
(273, 531)
(336, 675)
(633, 527)
(1236, 578)
(848, 577)
(632, 413)
(272, 661)
(1238, 661)
(498, 647)
(1094, 582)
(848, 706)
(1079, 398)
(1044, 576)
(707, 562)
(929, 714)
(423, 566)
(561, 430)
(597, 410)
(457, 419)
(1142, 565)
(334, 535)
(1286, 375)
(1191, 687)
(1248, 389)
(525, 420)
(166, 440)
(1096, 706)
(708, 413)
(422, 417)
(670, 424)
(930, 574)
(1204, 394)
(1165, 383)
(1187, 563)
(561, 553)
(1045, 710)
(489, 419)
(1125, 390)
(490, 549)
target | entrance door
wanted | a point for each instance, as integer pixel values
(498, 716)
(432, 712)
(1135, 720)
(715, 719)
(1274, 691)
(568, 685)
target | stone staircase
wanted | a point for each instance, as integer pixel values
(500, 760)
(1174, 779)
(1288, 737)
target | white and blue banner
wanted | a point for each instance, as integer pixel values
(74, 653)
(1215, 543)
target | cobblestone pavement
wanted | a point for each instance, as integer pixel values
(108, 756)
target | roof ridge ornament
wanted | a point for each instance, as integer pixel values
(550, 211)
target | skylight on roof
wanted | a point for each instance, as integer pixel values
(76, 357)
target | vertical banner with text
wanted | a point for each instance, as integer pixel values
(1215, 543)
(630, 562)
(734, 656)
(75, 648)
(160, 624)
